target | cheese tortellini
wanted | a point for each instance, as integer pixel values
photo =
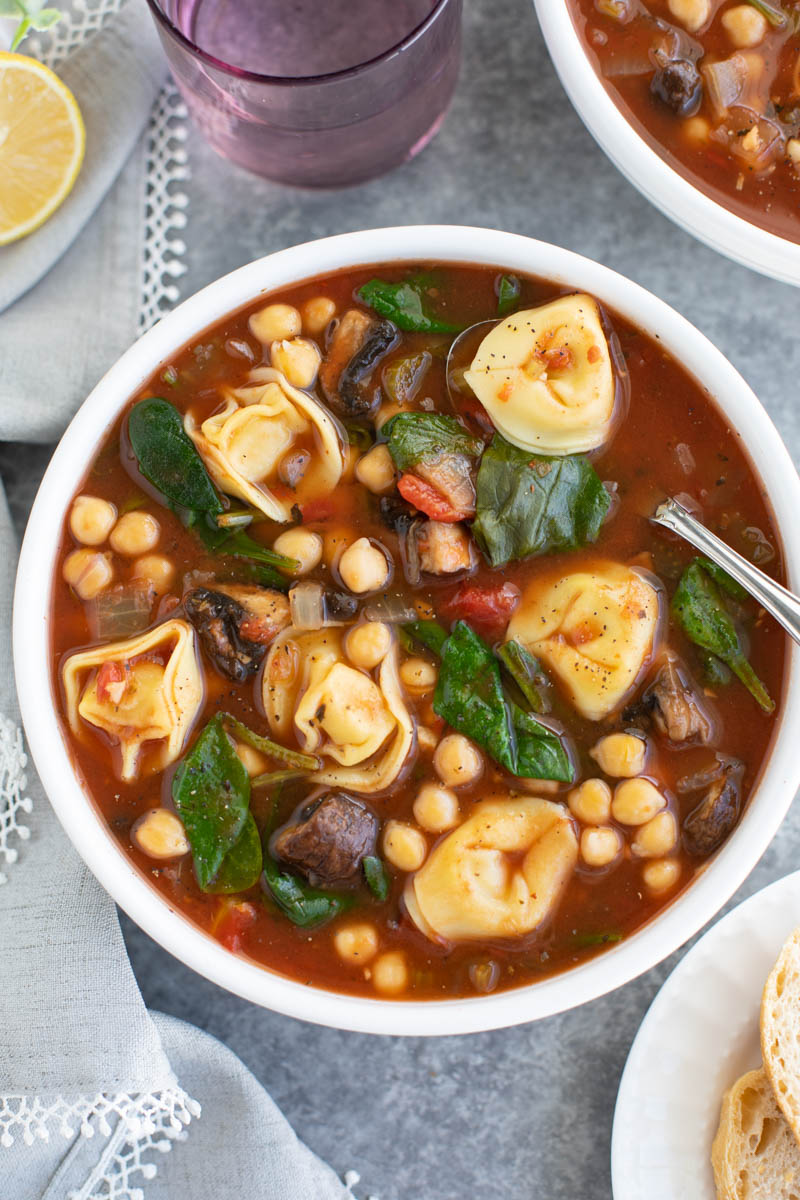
(498, 875)
(595, 629)
(544, 376)
(356, 721)
(147, 689)
(259, 426)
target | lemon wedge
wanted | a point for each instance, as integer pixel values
(42, 140)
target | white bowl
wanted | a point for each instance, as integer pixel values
(32, 616)
(677, 198)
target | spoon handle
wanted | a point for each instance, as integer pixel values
(782, 604)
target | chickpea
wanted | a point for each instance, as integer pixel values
(404, 846)
(274, 322)
(661, 875)
(252, 760)
(160, 834)
(457, 761)
(389, 973)
(298, 359)
(317, 314)
(91, 520)
(693, 14)
(356, 943)
(696, 130)
(367, 644)
(793, 151)
(620, 755)
(636, 801)
(135, 533)
(538, 787)
(364, 568)
(302, 544)
(436, 808)
(158, 569)
(600, 845)
(375, 469)
(88, 572)
(418, 676)
(657, 837)
(590, 802)
(745, 26)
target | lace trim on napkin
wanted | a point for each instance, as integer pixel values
(136, 1126)
(12, 785)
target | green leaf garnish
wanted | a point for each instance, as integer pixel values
(303, 905)
(378, 878)
(406, 304)
(699, 609)
(527, 673)
(417, 437)
(430, 634)
(773, 13)
(31, 14)
(529, 504)
(469, 696)
(168, 458)
(508, 292)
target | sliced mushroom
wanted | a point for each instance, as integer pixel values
(679, 85)
(452, 475)
(678, 713)
(708, 825)
(357, 346)
(236, 624)
(330, 839)
(445, 548)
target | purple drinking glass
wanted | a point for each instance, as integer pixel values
(319, 93)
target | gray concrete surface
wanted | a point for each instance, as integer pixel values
(524, 1113)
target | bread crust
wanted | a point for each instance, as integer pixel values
(780, 1030)
(755, 1155)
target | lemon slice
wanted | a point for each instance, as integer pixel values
(42, 139)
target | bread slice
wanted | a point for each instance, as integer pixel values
(755, 1155)
(780, 1030)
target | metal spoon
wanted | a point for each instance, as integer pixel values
(780, 603)
(458, 341)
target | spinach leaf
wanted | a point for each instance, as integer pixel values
(540, 754)
(303, 905)
(699, 609)
(168, 458)
(211, 793)
(530, 504)
(723, 579)
(416, 437)
(430, 634)
(597, 939)
(527, 673)
(292, 758)
(241, 866)
(377, 877)
(508, 291)
(238, 544)
(405, 304)
(469, 696)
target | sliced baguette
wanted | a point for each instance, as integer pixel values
(755, 1155)
(780, 1030)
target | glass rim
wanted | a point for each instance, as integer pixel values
(293, 80)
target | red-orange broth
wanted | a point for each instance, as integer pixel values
(729, 116)
(670, 440)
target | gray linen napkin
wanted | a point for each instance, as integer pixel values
(93, 1090)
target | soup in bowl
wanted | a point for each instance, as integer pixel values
(370, 679)
(697, 102)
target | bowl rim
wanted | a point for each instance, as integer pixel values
(663, 185)
(32, 616)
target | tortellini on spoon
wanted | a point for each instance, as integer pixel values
(595, 629)
(271, 445)
(146, 689)
(498, 875)
(544, 376)
(356, 721)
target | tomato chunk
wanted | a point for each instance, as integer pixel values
(112, 683)
(318, 510)
(232, 918)
(427, 499)
(486, 607)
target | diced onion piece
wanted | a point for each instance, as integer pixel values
(306, 603)
(724, 81)
(121, 612)
(392, 609)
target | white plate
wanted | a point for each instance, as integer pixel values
(700, 1034)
